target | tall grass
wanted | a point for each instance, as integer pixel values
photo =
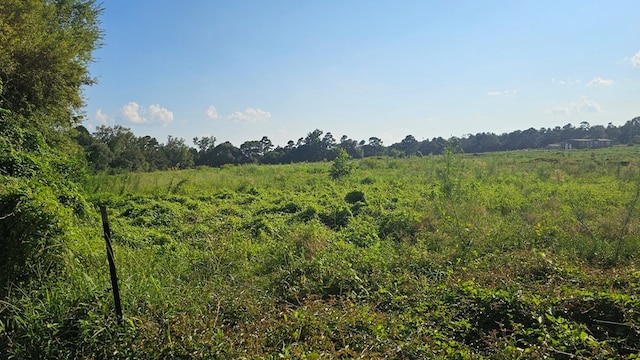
(518, 254)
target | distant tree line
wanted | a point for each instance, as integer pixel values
(118, 149)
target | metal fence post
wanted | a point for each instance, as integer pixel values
(112, 265)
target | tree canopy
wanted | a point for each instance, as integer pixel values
(45, 49)
(104, 149)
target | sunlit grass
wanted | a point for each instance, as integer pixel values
(503, 255)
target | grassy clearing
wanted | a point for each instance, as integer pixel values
(505, 255)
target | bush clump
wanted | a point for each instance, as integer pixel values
(355, 196)
(341, 165)
(337, 218)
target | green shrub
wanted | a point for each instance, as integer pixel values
(399, 226)
(33, 224)
(38, 202)
(355, 196)
(337, 217)
(341, 165)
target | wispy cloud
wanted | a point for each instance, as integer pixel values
(635, 60)
(506, 93)
(583, 106)
(600, 82)
(249, 115)
(212, 112)
(101, 117)
(155, 113)
(566, 82)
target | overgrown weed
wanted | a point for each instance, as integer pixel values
(507, 255)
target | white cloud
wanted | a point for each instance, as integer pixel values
(212, 112)
(101, 117)
(159, 114)
(153, 114)
(635, 60)
(249, 115)
(131, 112)
(583, 106)
(600, 82)
(505, 93)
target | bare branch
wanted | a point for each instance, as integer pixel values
(8, 215)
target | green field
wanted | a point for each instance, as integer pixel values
(527, 254)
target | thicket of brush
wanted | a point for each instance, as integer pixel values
(520, 254)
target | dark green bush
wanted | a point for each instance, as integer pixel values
(355, 196)
(290, 208)
(308, 214)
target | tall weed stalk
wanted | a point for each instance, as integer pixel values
(451, 190)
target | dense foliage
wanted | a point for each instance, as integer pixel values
(45, 48)
(505, 255)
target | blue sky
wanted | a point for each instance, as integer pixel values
(239, 70)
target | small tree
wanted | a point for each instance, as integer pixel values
(341, 165)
